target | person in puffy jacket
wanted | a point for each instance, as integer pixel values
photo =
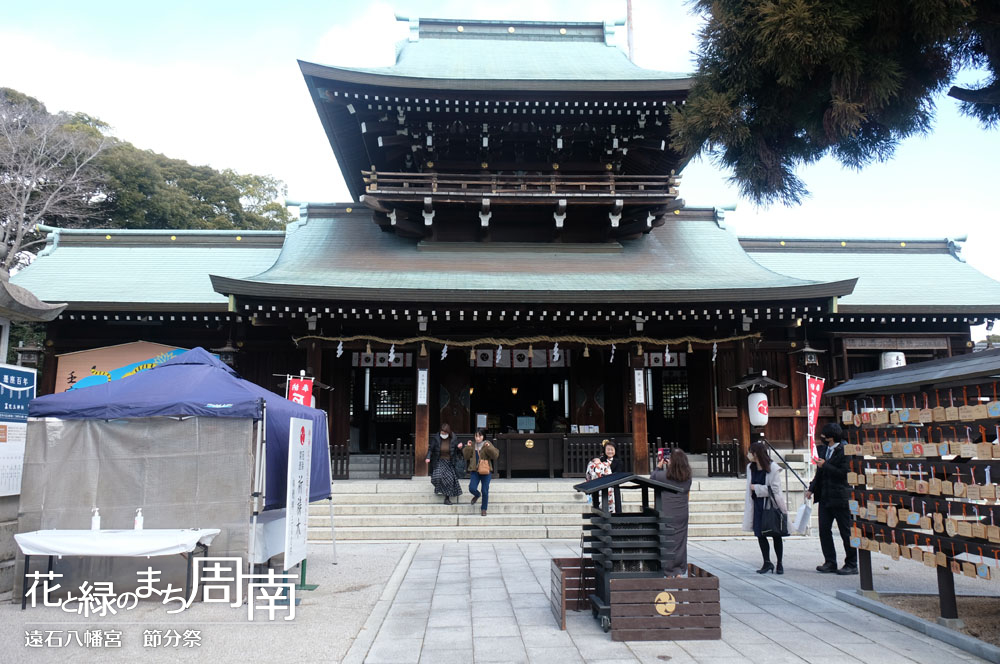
(479, 456)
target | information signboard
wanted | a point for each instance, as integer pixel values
(17, 389)
(300, 441)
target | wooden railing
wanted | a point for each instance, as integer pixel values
(724, 459)
(395, 461)
(491, 184)
(340, 461)
(579, 449)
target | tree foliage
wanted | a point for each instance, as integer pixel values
(65, 170)
(782, 83)
(148, 190)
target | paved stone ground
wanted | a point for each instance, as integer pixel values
(440, 613)
(417, 602)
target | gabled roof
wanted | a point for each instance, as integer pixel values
(947, 372)
(446, 54)
(19, 304)
(894, 275)
(334, 254)
(626, 481)
(147, 270)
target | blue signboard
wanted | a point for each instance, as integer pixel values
(17, 389)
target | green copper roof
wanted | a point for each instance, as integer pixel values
(894, 276)
(342, 255)
(151, 270)
(444, 53)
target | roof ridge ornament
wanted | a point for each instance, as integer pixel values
(955, 246)
(414, 28)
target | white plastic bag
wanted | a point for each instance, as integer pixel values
(801, 524)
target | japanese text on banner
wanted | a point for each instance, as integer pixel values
(814, 392)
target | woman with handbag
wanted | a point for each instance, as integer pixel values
(480, 455)
(765, 511)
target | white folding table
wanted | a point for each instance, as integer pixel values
(113, 543)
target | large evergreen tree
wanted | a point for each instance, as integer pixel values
(781, 83)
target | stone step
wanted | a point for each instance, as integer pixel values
(498, 485)
(427, 497)
(461, 514)
(403, 509)
(464, 515)
(488, 530)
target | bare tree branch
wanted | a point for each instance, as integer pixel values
(47, 172)
(990, 95)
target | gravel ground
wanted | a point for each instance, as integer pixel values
(981, 615)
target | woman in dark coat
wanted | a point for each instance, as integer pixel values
(444, 475)
(674, 507)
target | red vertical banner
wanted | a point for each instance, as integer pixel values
(299, 390)
(814, 392)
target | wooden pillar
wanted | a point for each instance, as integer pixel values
(742, 367)
(640, 443)
(847, 369)
(314, 367)
(340, 399)
(422, 421)
(798, 423)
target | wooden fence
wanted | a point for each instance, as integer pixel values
(577, 453)
(724, 459)
(659, 443)
(395, 461)
(340, 461)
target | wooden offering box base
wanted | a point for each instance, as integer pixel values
(572, 583)
(666, 608)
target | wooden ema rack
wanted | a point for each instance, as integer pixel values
(923, 488)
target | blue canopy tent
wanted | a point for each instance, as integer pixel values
(197, 383)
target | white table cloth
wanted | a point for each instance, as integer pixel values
(151, 542)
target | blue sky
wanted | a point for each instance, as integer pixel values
(217, 83)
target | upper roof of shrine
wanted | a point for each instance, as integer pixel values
(446, 54)
(494, 97)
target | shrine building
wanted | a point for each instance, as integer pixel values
(516, 256)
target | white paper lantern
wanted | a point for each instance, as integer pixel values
(893, 359)
(757, 404)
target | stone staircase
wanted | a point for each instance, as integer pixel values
(366, 509)
(363, 467)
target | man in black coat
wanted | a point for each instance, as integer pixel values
(830, 489)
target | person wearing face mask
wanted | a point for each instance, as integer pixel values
(442, 471)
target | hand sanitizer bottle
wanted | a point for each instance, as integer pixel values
(95, 521)
(138, 519)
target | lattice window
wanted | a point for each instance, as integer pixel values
(394, 400)
(675, 394)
